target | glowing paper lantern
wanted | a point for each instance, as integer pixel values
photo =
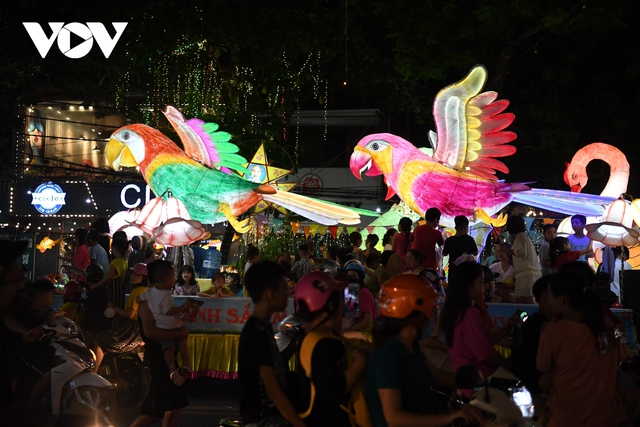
(122, 220)
(200, 175)
(47, 243)
(460, 177)
(151, 215)
(616, 229)
(576, 173)
(179, 232)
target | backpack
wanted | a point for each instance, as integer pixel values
(356, 408)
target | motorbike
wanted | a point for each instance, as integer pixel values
(129, 376)
(73, 381)
(502, 398)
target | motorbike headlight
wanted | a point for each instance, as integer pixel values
(522, 398)
(85, 363)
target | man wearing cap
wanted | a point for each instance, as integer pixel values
(12, 278)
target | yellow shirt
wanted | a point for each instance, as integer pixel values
(131, 301)
(225, 291)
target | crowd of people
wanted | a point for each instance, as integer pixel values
(381, 329)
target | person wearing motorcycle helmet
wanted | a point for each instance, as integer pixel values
(366, 311)
(399, 379)
(333, 369)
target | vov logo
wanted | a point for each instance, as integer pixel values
(62, 32)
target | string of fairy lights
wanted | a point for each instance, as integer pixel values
(188, 79)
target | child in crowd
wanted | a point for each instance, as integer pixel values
(97, 254)
(504, 267)
(579, 358)
(218, 288)
(261, 372)
(160, 302)
(233, 283)
(460, 243)
(580, 241)
(375, 273)
(402, 240)
(355, 239)
(331, 367)
(388, 238)
(550, 232)
(187, 283)
(560, 252)
(304, 265)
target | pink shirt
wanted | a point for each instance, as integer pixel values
(472, 343)
(402, 244)
(367, 304)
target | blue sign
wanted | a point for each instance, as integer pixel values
(48, 198)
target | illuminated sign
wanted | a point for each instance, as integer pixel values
(48, 198)
(127, 202)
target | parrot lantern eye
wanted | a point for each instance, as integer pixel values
(377, 145)
(126, 136)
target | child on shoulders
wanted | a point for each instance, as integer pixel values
(166, 315)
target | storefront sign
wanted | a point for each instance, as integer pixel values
(48, 198)
(130, 196)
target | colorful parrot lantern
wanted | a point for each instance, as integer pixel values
(459, 177)
(200, 175)
(616, 229)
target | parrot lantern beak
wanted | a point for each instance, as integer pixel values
(360, 160)
(119, 155)
(363, 160)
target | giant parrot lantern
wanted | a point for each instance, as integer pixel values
(200, 175)
(459, 179)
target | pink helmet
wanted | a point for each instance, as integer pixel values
(315, 289)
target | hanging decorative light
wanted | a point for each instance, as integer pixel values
(615, 227)
(47, 243)
(152, 215)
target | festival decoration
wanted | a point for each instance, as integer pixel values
(169, 222)
(576, 173)
(200, 175)
(459, 178)
(262, 173)
(47, 243)
(122, 220)
(615, 227)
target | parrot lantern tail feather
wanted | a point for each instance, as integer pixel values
(315, 210)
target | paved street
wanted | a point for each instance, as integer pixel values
(209, 400)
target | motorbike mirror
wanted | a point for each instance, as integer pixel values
(468, 377)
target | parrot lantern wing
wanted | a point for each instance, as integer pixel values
(470, 127)
(204, 143)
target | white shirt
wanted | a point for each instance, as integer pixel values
(578, 244)
(615, 285)
(160, 302)
(504, 275)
